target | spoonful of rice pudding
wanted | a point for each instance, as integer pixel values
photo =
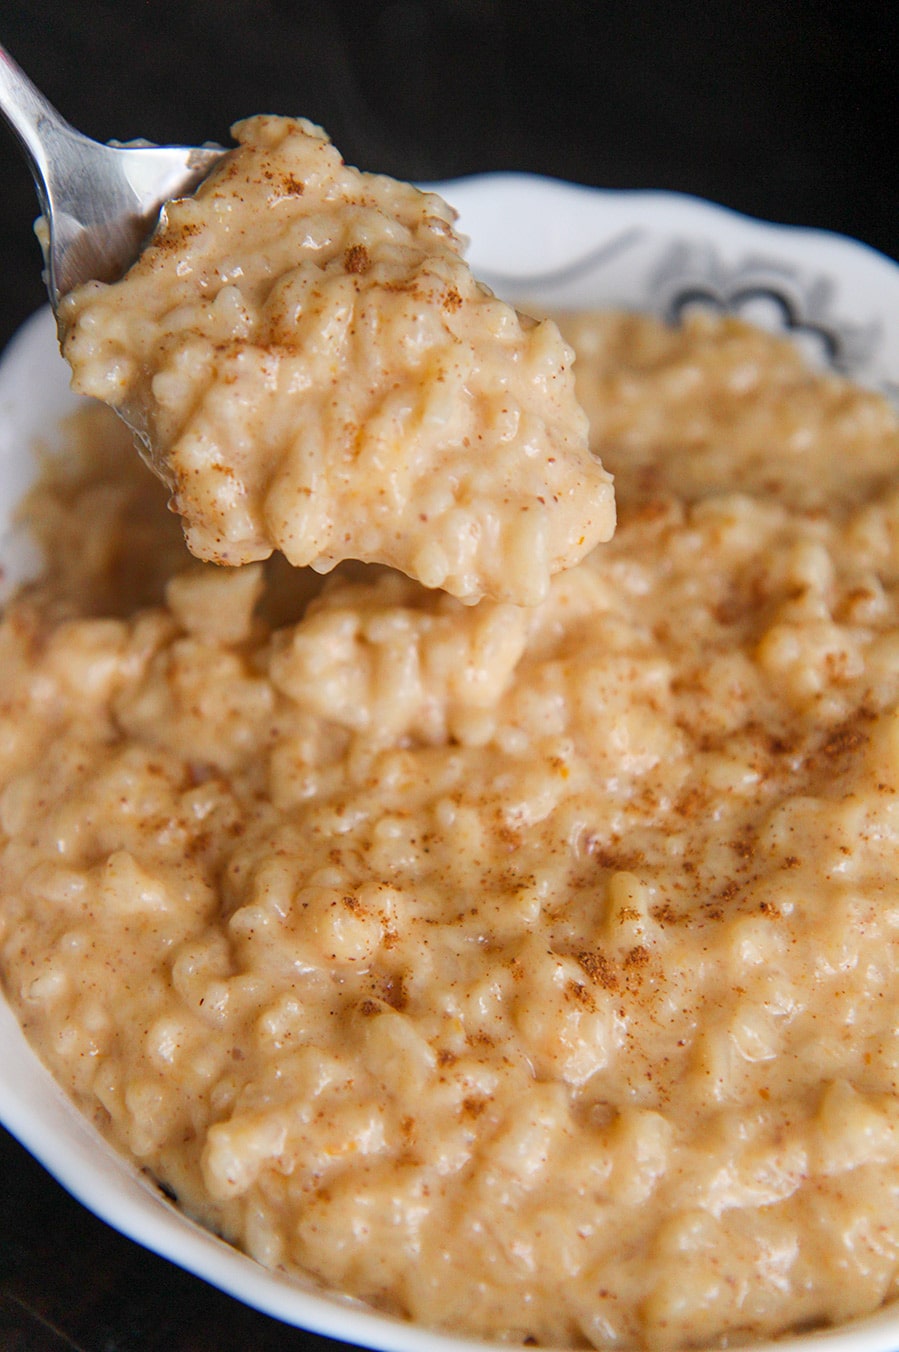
(310, 366)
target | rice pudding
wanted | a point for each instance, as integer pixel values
(528, 973)
(312, 367)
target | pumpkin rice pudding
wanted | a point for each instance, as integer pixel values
(527, 973)
(311, 366)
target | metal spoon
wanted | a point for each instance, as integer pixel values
(99, 202)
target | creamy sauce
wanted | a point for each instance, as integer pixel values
(531, 974)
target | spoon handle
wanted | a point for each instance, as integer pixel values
(34, 120)
(98, 202)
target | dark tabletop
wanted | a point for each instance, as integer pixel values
(783, 110)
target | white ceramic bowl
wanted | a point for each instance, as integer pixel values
(538, 242)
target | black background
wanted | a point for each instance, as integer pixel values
(783, 110)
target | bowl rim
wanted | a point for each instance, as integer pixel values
(684, 205)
